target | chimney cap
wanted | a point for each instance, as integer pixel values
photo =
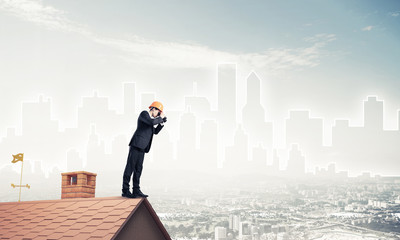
(78, 172)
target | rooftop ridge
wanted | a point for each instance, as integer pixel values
(71, 200)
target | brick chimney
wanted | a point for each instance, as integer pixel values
(79, 184)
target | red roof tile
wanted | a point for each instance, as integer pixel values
(112, 219)
(55, 235)
(80, 218)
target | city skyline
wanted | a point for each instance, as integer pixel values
(196, 127)
(325, 58)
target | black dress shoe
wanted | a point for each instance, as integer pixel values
(139, 193)
(128, 195)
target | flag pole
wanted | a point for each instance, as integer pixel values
(20, 182)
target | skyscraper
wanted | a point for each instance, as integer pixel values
(227, 95)
(227, 89)
(373, 114)
(253, 114)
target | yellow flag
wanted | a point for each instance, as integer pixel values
(18, 157)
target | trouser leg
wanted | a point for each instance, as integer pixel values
(138, 167)
(128, 171)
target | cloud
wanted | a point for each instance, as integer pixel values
(46, 16)
(322, 37)
(394, 14)
(138, 50)
(367, 28)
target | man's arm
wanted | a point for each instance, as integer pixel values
(161, 125)
(158, 129)
(145, 117)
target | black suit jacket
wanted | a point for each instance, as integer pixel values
(143, 135)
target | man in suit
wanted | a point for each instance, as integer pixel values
(149, 123)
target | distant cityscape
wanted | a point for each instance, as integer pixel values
(356, 208)
(202, 139)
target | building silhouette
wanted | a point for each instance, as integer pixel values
(36, 118)
(226, 105)
(236, 156)
(39, 132)
(254, 115)
(373, 114)
(370, 145)
(95, 152)
(209, 145)
(187, 157)
(259, 159)
(199, 105)
(296, 162)
(275, 166)
(95, 110)
(227, 93)
(307, 132)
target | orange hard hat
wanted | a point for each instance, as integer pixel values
(157, 105)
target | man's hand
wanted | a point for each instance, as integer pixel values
(162, 115)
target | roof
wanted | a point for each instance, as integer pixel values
(79, 218)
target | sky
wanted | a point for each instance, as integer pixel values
(326, 56)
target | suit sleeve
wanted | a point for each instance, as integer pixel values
(145, 117)
(158, 129)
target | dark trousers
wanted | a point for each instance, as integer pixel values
(134, 164)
